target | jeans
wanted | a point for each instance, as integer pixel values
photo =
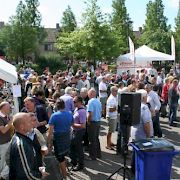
(172, 113)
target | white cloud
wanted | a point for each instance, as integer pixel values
(106, 10)
(173, 3)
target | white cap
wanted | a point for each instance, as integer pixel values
(142, 92)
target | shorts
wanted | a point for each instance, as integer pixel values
(59, 156)
(61, 144)
(112, 123)
(103, 101)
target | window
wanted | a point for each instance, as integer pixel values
(48, 47)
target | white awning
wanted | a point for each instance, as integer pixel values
(8, 72)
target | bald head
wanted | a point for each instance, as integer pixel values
(5, 108)
(3, 104)
(22, 122)
(19, 119)
(92, 93)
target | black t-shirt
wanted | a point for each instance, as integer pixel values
(41, 116)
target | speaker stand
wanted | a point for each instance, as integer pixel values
(126, 170)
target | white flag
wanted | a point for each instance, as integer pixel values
(173, 47)
(131, 48)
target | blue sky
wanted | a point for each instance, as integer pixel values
(52, 10)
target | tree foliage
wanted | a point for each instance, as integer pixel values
(23, 33)
(177, 36)
(156, 32)
(33, 13)
(99, 42)
(94, 41)
(121, 24)
(68, 22)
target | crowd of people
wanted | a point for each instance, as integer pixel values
(62, 112)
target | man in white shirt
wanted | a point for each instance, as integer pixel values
(155, 105)
(159, 79)
(111, 116)
(144, 129)
(103, 95)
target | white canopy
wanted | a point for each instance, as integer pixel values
(143, 59)
(144, 53)
(8, 72)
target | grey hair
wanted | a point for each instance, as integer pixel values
(148, 86)
(93, 90)
(84, 90)
(113, 88)
(68, 90)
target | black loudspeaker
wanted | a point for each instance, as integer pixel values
(130, 108)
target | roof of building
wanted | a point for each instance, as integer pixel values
(52, 34)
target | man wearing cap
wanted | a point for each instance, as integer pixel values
(144, 129)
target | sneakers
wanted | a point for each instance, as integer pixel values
(78, 168)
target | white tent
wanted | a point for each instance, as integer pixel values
(143, 59)
(8, 72)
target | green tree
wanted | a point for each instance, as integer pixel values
(34, 18)
(18, 36)
(177, 35)
(121, 25)
(33, 14)
(93, 41)
(2, 47)
(68, 22)
(98, 43)
(156, 32)
(21, 36)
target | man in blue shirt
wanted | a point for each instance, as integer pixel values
(68, 100)
(59, 129)
(94, 110)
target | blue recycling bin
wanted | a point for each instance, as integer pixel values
(153, 165)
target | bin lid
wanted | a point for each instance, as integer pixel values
(154, 144)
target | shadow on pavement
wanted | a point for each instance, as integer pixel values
(173, 136)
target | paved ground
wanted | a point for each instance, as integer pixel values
(110, 162)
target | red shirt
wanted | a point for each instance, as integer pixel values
(164, 94)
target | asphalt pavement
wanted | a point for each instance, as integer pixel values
(110, 162)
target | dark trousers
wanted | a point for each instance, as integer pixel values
(133, 162)
(172, 113)
(76, 147)
(94, 144)
(85, 137)
(156, 125)
(123, 138)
